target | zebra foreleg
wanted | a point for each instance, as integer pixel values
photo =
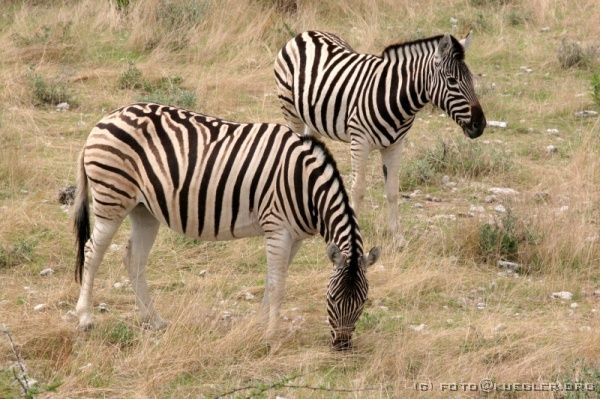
(391, 163)
(280, 248)
(144, 228)
(359, 155)
(95, 248)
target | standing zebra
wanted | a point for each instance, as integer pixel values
(370, 101)
(216, 180)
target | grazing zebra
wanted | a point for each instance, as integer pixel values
(216, 180)
(370, 101)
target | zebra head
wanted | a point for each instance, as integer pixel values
(347, 293)
(451, 86)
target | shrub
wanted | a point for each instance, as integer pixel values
(49, 92)
(131, 79)
(19, 253)
(596, 88)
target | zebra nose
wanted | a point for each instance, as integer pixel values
(478, 122)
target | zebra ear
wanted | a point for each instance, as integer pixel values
(335, 255)
(466, 42)
(372, 256)
(444, 47)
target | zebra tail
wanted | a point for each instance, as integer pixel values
(81, 219)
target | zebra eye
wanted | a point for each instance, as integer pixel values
(452, 81)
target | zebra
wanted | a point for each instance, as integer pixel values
(212, 179)
(370, 101)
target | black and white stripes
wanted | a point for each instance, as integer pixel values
(216, 180)
(370, 101)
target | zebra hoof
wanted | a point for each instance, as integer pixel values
(86, 323)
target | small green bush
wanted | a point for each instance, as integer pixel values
(596, 88)
(131, 78)
(49, 92)
(19, 253)
(120, 334)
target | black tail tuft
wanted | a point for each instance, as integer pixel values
(81, 220)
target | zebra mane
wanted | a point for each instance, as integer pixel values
(459, 51)
(355, 238)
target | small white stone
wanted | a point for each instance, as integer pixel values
(500, 208)
(552, 131)
(249, 296)
(562, 295)
(585, 328)
(504, 264)
(592, 239)
(476, 209)
(202, 273)
(545, 29)
(102, 307)
(480, 306)
(418, 205)
(226, 315)
(445, 179)
(40, 307)
(551, 149)
(417, 327)
(47, 272)
(499, 327)
(574, 305)
(503, 191)
(62, 107)
(596, 292)
(499, 124)
(586, 114)
(118, 285)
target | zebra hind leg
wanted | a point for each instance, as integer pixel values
(144, 228)
(359, 155)
(95, 248)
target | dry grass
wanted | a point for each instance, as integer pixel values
(478, 323)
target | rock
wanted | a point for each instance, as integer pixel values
(432, 198)
(500, 208)
(248, 296)
(551, 149)
(593, 239)
(418, 205)
(480, 306)
(102, 307)
(596, 292)
(453, 21)
(552, 131)
(562, 295)
(503, 191)
(500, 124)
(504, 264)
(585, 328)
(40, 307)
(489, 199)
(226, 315)
(476, 209)
(574, 305)
(62, 107)
(545, 29)
(526, 69)
(417, 327)
(66, 195)
(586, 114)
(47, 272)
(202, 273)
(415, 193)
(499, 327)
(445, 179)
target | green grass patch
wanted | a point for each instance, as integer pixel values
(595, 83)
(21, 252)
(49, 92)
(457, 158)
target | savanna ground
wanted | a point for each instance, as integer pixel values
(440, 310)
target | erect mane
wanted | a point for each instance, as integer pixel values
(459, 51)
(354, 238)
